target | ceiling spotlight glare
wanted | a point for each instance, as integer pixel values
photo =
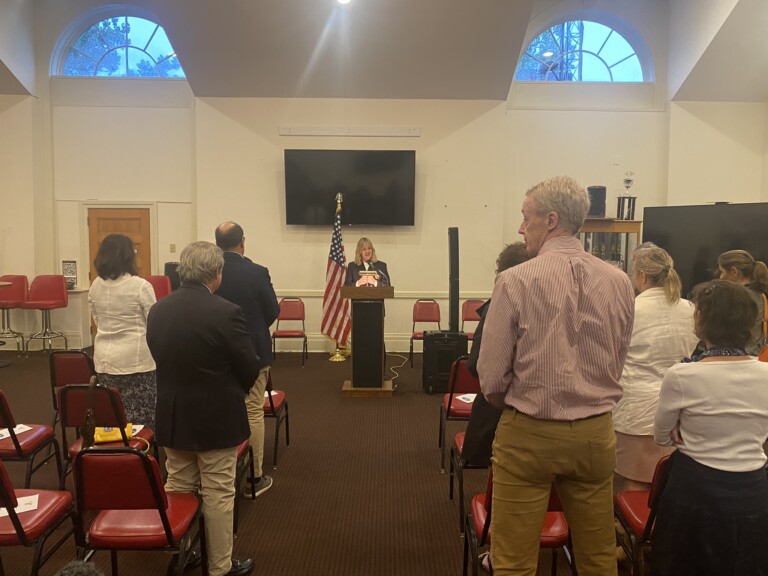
(343, 1)
(548, 54)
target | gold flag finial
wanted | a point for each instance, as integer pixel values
(339, 200)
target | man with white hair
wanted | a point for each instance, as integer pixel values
(206, 366)
(554, 344)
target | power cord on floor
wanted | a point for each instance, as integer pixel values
(394, 369)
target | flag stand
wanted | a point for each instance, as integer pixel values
(338, 355)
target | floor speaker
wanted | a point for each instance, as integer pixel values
(441, 349)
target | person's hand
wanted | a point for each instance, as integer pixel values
(676, 435)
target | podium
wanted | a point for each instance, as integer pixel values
(367, 341)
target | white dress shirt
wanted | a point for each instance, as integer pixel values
(662, 336)
(120, 308)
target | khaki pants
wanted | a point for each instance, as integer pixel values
(254, 405)
(213, 472)
(579, 457)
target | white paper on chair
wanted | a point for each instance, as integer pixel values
(468, 398)
(26, 504)
(19, 428)
(267, 393)
(135, 429)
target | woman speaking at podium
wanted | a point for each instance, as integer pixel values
(366, 269)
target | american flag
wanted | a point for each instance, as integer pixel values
(336, 322)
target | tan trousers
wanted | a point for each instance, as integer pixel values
(213, 472)
(254, 405)
(579, 457)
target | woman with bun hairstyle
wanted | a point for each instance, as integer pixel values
(739, 266)
(662, 335)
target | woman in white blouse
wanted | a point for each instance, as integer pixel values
(662, 336)
(713, 514)
(119, 302)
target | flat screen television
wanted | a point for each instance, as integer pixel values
(377, 186)
(696, 235)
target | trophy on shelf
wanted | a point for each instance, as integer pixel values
(625, 209)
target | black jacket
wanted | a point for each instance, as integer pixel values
(353, 273)
(205, 366)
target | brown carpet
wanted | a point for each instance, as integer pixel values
(359, 491)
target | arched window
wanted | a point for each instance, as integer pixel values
(124, 46)
(579, 51)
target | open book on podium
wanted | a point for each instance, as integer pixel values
(368, 358)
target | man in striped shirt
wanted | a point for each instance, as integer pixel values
(554, 344)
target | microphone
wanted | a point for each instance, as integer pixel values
(378, 271)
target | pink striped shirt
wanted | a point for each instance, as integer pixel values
(556, 334)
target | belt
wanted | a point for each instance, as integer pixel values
(590, 417)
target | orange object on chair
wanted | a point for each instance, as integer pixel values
(47, 292)
(33, 527)
(424, 310)
(12, 297)
(291, 310)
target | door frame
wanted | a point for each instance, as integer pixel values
(84, 244)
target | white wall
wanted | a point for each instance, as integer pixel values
(17, 238)
(17, 41)
(692, 26)
(716, 152)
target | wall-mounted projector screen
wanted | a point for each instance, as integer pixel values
(378, 186)
(696, 235)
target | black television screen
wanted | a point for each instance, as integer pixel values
(377, 186)
(696, 235)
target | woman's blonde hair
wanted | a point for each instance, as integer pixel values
(658, 267)
(753, 270)
(361, 245)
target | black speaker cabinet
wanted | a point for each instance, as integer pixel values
(453, 279)
(440, 350)
(596, 201)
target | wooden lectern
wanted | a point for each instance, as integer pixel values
(367, 341)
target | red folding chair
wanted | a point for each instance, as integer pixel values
(457, 466)
(33, 527)
(276, 406)
(122, 505)
(26, 446)
(108, 411)
(68, 367)
(477, 533)
(161, 285)
(291, 310)
(460, 382)
(469, 314)
(424, 311)
(636, 512)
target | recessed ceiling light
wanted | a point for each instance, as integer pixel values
(343, 1)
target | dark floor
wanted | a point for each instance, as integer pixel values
(359, 492)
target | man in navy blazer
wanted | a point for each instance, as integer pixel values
(205, 367)
(248, 285)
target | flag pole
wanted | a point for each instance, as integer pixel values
(340, 354)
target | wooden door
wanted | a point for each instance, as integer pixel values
(131, 222)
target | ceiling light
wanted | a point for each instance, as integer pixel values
(343, 1)
(546, 54)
